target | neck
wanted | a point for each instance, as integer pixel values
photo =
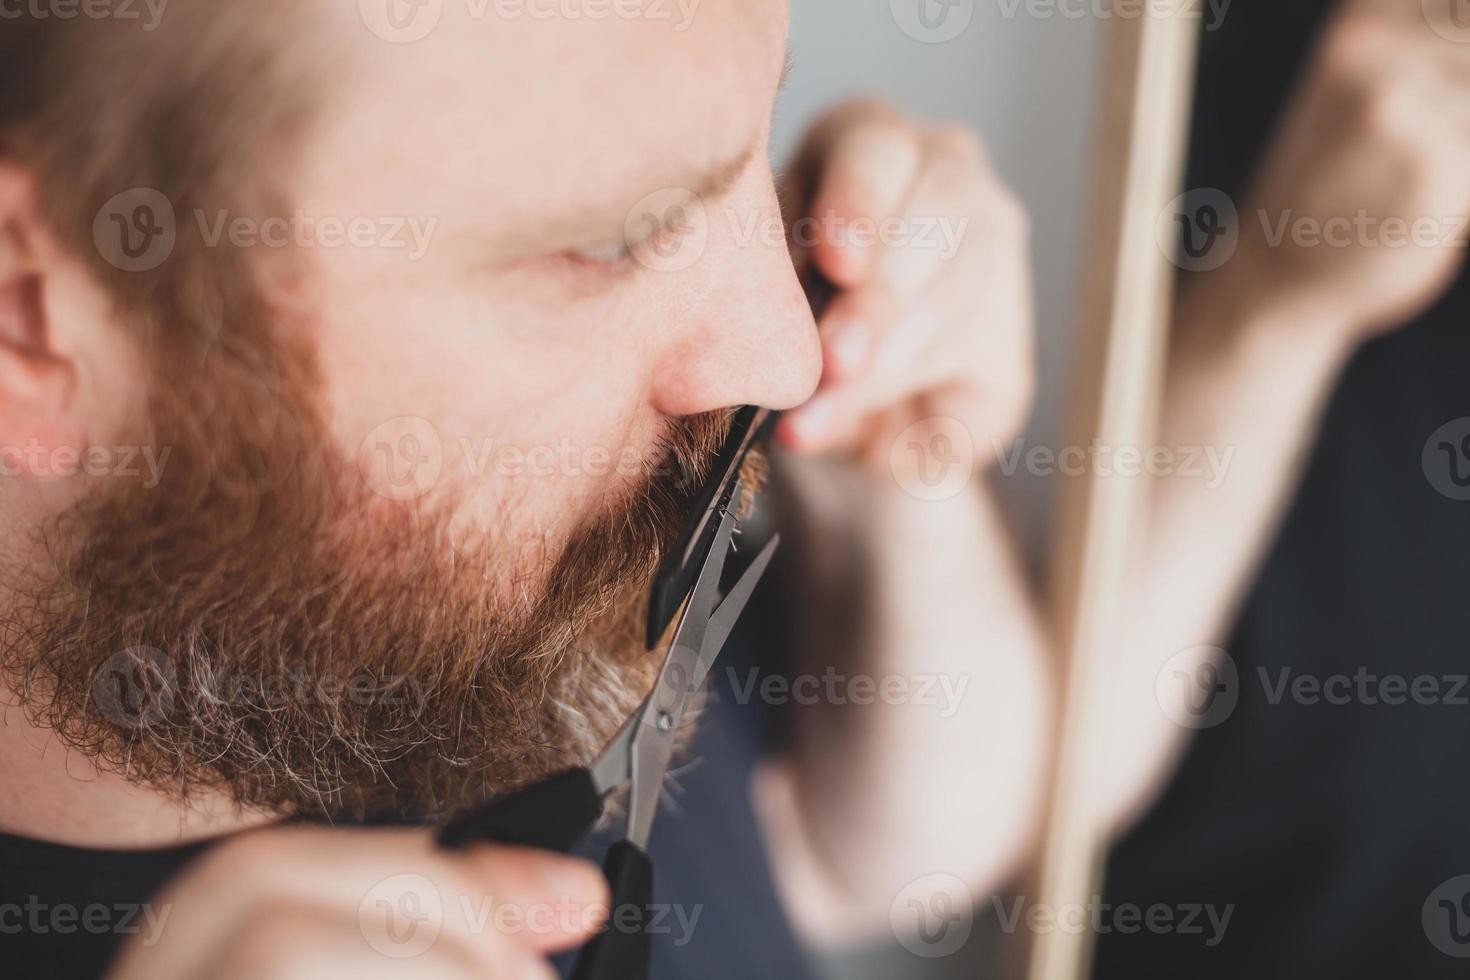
(50, 791)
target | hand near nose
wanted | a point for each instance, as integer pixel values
(929, 252)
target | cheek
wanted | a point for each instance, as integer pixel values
(524, 421)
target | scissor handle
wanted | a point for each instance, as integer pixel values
(553, 814)
(622, 951)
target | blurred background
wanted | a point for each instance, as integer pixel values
(1028, 84)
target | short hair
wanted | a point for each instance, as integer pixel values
(200, 107)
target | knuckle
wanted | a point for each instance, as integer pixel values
(959, 142)
(869, 109)
(1012, 213)
(1379, 108)
(271, 942)
(867, 119)
(242, 860)
(1353, 42)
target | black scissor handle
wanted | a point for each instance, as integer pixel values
(623, 949)
(553, 814)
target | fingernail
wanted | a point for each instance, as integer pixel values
(849, 342)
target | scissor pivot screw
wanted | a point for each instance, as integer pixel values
(665, 721)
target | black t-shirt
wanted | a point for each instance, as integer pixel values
(1331, 823)
(65, 910)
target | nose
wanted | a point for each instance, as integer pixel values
(738, 329)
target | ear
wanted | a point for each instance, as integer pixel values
(52, 313)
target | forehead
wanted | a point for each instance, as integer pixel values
(509, 113)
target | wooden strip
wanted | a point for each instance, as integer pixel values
(1143, 129)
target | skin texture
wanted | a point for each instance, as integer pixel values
(506, 331)
(546, 311)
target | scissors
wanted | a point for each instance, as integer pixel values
(559, 811)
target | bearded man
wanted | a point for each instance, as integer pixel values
(428, 328)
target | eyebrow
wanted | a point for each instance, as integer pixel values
(720, 179)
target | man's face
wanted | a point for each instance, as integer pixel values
(396, 554)
(529, 359)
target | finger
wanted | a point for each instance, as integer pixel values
(866, 178)
(288, 942)
(953, 335)
(851, 329)
(900, 366)
(291, 940)
(565, 900)
(357, 870)
(954, 182)
(954, 186)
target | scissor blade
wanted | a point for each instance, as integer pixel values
(658, 719)
(618, 761)
(722, 623)
(677, 574)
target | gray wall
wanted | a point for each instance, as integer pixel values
(1026, 83)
